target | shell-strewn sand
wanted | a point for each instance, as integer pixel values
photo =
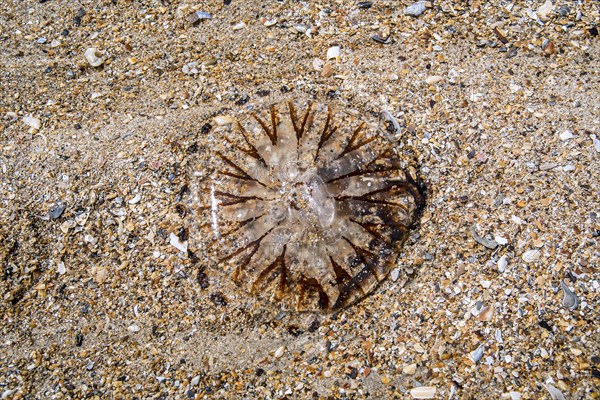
(496, 294)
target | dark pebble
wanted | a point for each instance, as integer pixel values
(263, 93)
(218, 299)
(365, 5)
(203, 280)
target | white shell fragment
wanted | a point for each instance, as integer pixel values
(566, 135)
(545, 9)
(423, 392)
(93, 57)
(596, 143)
(502, 263)
(198, 16)
(32, 122)
(531, 255)
(279, 352)
(224, 120)
(175, 242)
(239, 26)
(476, 354)
(501, 240)
(61, 268)
(555, 394)
(432, 80)
(416, 9)
(570, 300)
(136, 199)
(333, 52)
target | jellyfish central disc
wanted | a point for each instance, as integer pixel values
(309, 200)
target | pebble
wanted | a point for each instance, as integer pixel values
(32, 122)
(279, 352)
(545, 9)
(423, 392)
(94, 57)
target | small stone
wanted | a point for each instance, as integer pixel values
(395, 273)
(385, 380)
(136, 199)
(318, 64)
(133, 328)
(423, 392)
(595, 142)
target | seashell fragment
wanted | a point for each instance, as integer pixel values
(239, 26)
(489, 243)
(595, 142)
(224, 120)
(308, 206)
(545, 9)
(93, 57)
(502, 263)
(333, 52)
(416, 9)
(531, 255)
(32, 122)
(476, 354)
(423, 392)
(566, 135)
(570, 300)
(432, 80)
(198, 16)
(555, 394)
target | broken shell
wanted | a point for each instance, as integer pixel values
(333, 52)
(224, 120)
(198, 16)
(531, 255)
(239, 26)
(416, 9)
(318, 64)
(555, 394)
(566, 135)
(596, 143)
(33, 122)
(135, 199)
(570, 300)
(410, 369)
(476, 354)
(486, 314)
(423, 392)
(327, 71)
(489, 243)
(502, 263)
(279, 352)
(175, 242)
(93, 57)
(386, 116)
(432, 80)
(545, 9)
